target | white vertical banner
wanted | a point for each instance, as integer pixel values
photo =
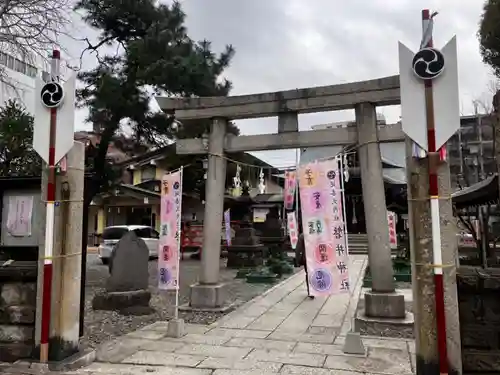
(19, 215)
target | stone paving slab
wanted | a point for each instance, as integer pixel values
(280, 332)
(214, 351)
(143, 357)
(381, 361)
(267, 355)
(126, 369)
(261, 343)
(240, 365)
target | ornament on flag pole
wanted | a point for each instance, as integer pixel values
(440, 67)
(54, 95)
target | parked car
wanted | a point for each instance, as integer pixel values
(111, 236)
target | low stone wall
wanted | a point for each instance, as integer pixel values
(479, 307)
(17, 310)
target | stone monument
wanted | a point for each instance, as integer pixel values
(127, 286)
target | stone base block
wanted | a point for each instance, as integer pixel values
(384, 327)
(354, 345)
(129, 303)
(77, 360)
(176, 328)
(13, 351)
(208, 296)
(385, 305)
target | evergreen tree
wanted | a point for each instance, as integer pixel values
(489, 35)
(155, 55)
(17, 157)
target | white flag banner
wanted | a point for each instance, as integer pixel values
(19, 215)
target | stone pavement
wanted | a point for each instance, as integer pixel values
(281, 332)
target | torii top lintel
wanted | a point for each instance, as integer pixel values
(380, 92)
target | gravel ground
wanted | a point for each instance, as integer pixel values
(101, 326)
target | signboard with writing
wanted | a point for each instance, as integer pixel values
(393, 238)
(290, 187)
(169, 254)
(19, 215)
(324, 228)
(292, 229)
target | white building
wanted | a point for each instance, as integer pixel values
(18, 81)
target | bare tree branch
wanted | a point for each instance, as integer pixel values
(30, 28)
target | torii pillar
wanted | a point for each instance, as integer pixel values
(382, 302)
(209, 292)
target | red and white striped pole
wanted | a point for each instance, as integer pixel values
(49, 225)
(433, 158)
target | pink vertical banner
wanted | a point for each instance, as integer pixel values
(393, 237)
(168, 254)
(292, 229)
(290, 187)
(324, 228)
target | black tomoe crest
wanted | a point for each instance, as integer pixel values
(428, 63)
(52, 95)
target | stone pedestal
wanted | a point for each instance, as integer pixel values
(385, 305)
(127, 286)
(176, 328)
(208, 297)
(246, 251)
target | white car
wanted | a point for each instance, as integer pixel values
(111, 236)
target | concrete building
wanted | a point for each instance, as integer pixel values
(18, 80)
(136, 200)
(471, 151)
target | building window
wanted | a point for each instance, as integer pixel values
(10, 62)
(31, 71)
(20, 66)
(148, 173)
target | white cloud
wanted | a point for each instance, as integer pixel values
(284, 45)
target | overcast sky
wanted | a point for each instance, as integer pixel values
(296, 43)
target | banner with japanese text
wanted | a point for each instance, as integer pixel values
(324, 228)
(290, 187)
(393, 237)
(292, 229)
(168, 253)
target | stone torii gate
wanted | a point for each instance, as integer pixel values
(382, 301)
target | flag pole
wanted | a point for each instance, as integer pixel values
(433, 159)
